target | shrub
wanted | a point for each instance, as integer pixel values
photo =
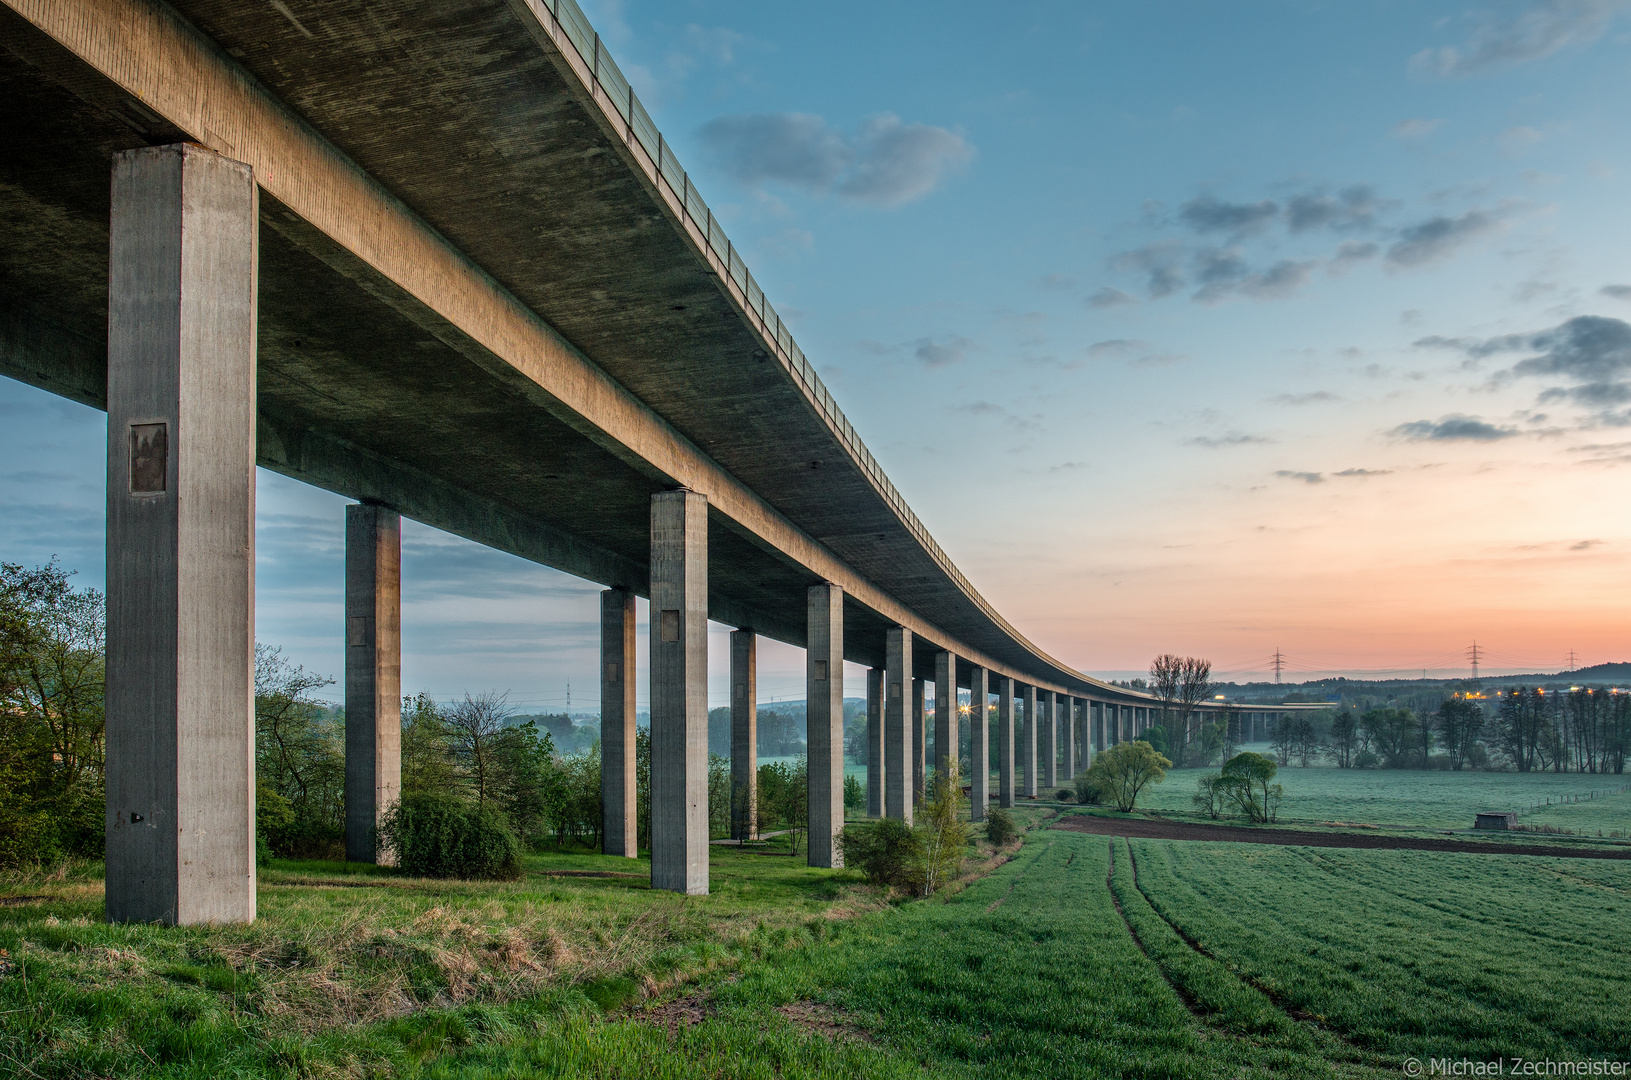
(1000, 827)
(886, 851)
(854, 793)
(1245, 782)
(1065, 794)
(1366, 759)
(943, 834)
(1122, 771)
(440, 836)
(1087, 792)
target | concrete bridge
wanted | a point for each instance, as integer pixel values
(437, 258)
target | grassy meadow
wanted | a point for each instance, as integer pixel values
(1050, 960)
(1409, 798)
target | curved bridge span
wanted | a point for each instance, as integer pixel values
(437, 258)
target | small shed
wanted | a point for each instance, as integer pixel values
(1496, 819)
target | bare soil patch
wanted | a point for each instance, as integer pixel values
(825, 1020)
(680, 1013)
(1164, 829)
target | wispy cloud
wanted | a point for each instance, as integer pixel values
(1107, 297)
(940, 353)
(1452, 428)
(1590, 353)
(888, 163)
(1311, 398)
(1537, 31)
(1305, 477)
(1218, 442)
(1439, 237)
(1415, 128)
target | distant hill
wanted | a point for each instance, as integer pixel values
(1620, 672)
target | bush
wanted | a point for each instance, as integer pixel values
(1124, 770)
(1366, 759)
(854, 793)
(888, 852)
(440, 836)
(1000, 827)
(1087, 792)
(1065, 794)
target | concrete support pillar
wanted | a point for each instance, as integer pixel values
(979, 749)
(898, 735)
(619, 826)
(180, 773)
(1048, 738)
(824, 721)
(874, 742)
(947, 737)
(919, 734)
(1005, 741)
(744, 735)
(679, 692)
(373, 675)
(1068, 773)
(1027, 743)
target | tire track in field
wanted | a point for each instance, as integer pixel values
(1182, 994)
(1301, 1016)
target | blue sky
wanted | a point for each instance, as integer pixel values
(1185, 327)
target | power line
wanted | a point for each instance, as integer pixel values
(1279, 664)
(1475, 652)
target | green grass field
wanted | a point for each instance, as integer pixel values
(1310, 963)
(1408, 798)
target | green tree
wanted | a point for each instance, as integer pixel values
(1344, 738)
(474, 728)
(1247, 777)
(299, 758)
(1125, 769)
(427, 750)
(854, 793)
(944, 833)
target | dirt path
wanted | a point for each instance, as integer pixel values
(1162, 829)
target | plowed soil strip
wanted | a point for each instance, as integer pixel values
(1159, 829)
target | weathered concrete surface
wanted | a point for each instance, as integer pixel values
(373, 675)
(897, 726)
(979, 743)
(466, 271)
(744, 735)
(619, 826)
(919, 735)
(1067, 772)
(181, 539)
(824, 716)
(1047, 737)
(679, 692)
(1027, 742)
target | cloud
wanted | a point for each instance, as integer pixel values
(1223, 272)
(1309, 398)
(1617, 292)
(1107, 297)
(1363, 472)
(982, 408)
(1207, 215)
(1591, 351)
(1068, 466)
(1352, 207)
(888, 164)
(1160, 262)
(1158, 359)
(1058, 281)
(1439, 237)
(1452, 428)
(1415, 128)
(1305, 477)
(1543, 29)
(1350, 254)
(936, 354)
(1117, 347)
(1218, 442)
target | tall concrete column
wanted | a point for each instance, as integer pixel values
(874, 742)
(1068, 773)
(180, 772)
(897, 725)
(947, 737)
(1048, 738)
(744, 735)
(979, 748)
(373, 675)
(919, 734)
(1005, 741)
(619, 826)
(679, 692)
(1027, 743)
(824, 705)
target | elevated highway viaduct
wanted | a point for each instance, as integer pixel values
(437, 259)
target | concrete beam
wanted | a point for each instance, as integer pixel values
(373, 675)
(874, 742)
(619, 824)
(744, 735)
(679, 692)
(181, 538)
(1005, 741)
(898, 735)
(824, 723)
(979, 752)
(947, 738)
